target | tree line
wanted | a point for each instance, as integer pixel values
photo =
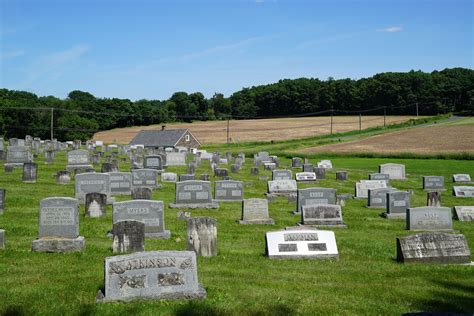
(81, 114)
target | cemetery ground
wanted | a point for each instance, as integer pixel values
(241, 280)
(215, 132)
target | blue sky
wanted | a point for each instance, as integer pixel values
(150, 49)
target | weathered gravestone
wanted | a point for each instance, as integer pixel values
(461, 177)
(193, 194)
(434, 247)
(307, 167)
(464, 213)
(395, 171)
(152, 275)
(58, 226)
(255, 211)
(433, 199)
(295, 244)
(120, 183)
(147, 211)
(2, 200)
(63, 177)
(186, 177)
(282, 175)
(363, 186)
(175, 159)
(305, 176)
(228, 191)
(296, 162)
(30, 172)
(96, 204)
(145, 178)
(429, 218)
(320, 173)
(108, 167)
(341, 175)
(92, 183)
(141, 193)
(221, 172)
(17, 156)
(78, 159)
(433, 183)
(128, 236)
(282, 187)
(169, 177)
(314, 196)
(380, 176)
(201, 236)
(463, 191)
(397, 204)
(49, 157)
(378, 198)
(322, 215)
(269, 166)
(156, 162)
(2, 239)
(326, 164)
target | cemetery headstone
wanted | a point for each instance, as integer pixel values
(154, 275)
(464, 213)
(314, 196)
(326, 164)
(175, 159)
(341, 175)
(156, 162)
(395, 171)
(17, 156)
(201, 236)
(145, 178)
(78, 159)
(377, 198)
(307, 167)
(204, 177)
(234, 168)
(128, 236)
(147, 211)
(322, 215)
(433, 247)
(108, 167)
(296, 162)
(169, 177)
(463, 191)
(255, 211)
(2, 200)
(49, 157)
(397, 204)
(120, 183)
(433, 183)
(228, 190)
(282, 187)
(320, 173)
(58, 226)
(96, 204)
(186, 177)
(304, 243)
(92, 183)
(63, 177)
(2, 239)
(193, 194)
(363, 186)
(221, 172)
(429, 218)
(433, 198)
(282, 175)
(269, 166)
(254, 170)
(141, 193)
(305, 176)
(461, 177)
(30, 172)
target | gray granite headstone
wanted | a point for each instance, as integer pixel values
(192, 167)
(186, 177)
(144, 178)
(269, 166)
(96, 204)
(307, 167)
(193, 194)
(201, 236)
(461, 177)
(320, 173)
(282, 187)
(434, 247)
(464, 213)
(305, 176)
(433, 183)
(314, 196)
(2, 200)
(394, 170)
(282, 175)
(49, 157)
(154, 162)
(92, 182)
(341, 175)
(63, 177)
(234, 168)
(169, 177)
(221, 172)
(120, 183)
(108, 167)
(378, 198)
(380, 176)
(18, 155)
(128, 236)
(322, 214)
(155, 275)
(429, 218)
(363, 186)
(255, 211)
(296, 162)
(175, 159)
(228, 190)
(30, 172)
(141, 193)
(254, 170)
(2, 239)
(147, 211)
(397, 204)
(463, 191)
(78, 159)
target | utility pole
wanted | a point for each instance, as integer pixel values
(416, 109)
(52, 119)
(360, 123)
(332, 110)
(384, 116)
(228, 130)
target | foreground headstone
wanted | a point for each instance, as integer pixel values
(463, 191)
(433, 248)
(296, 244)
(464, 213)
(322, 215)
(395, 171)
(147, 211)
(128, 236)
(193, 194)
(120, 183)
(255, 211)
(58, 229)
(462, 177)
(201, 236)
(154, 275)
(314, 196)
(30, 172)
(96, 204)
(397, 204)
(141, 193)
(2, 200)
(433, 183)
(429, 218)
(228, 191)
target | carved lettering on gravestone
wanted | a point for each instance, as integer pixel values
(282, 186)
(321, 214)
(464, 213)
(462, 177)
(380, 176)
(120, 183)
(255, 211)
(282, 175)
(144, 178)
(169, 177)
(305, 176)
(395, 171)
(429, 218)
(193, 194)
(363, 186)
(90, 183)
(228, 190)
(433, 183)
(463, 191)
(314, 196)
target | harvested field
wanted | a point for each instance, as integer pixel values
(215, 132)
(423, 140)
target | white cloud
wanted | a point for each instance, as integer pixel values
(13, 54)
(391, 29)
(66, 56)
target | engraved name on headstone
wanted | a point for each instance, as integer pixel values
(322, 214)
(314, 196)
(120, 183)
(363, 186)
(255, 211)
(145, 178)
(463, 191)
(394, 170)
(90, 183)
(228, 190)
(193, 194)
(464, 213)
(433, 183)
(429, 218)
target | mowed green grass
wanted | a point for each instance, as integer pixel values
(241, 280)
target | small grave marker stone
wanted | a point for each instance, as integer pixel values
(255, 211)
(464, 213)
(201, 236)
(96, 204)
(128, 236)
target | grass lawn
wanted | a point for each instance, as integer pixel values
(241, 280)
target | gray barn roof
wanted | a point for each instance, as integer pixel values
(158, 138)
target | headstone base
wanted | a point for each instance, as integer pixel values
(197, 295)
(110, 200)
(317, 257)
(212, 205)
(395, 216)
(59, 245)
(80, 167)
(219, 200)
(13, 165)
(268, 221)
(164, 235)
(326, 225)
